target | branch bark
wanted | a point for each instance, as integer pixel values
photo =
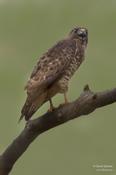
(85, 104)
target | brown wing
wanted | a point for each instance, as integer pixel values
(49, 69)
(51, 65)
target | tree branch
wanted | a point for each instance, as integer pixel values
(85, 104)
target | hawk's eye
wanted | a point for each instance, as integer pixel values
(75, 31)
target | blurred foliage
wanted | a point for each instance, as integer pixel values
(27, 29)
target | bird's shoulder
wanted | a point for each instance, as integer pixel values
(63, 44)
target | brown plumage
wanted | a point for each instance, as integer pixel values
(53, 71)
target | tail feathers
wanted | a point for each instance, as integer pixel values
(28, 110)
(25, 111)
(30, 107)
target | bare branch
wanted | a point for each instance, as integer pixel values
(85, 104)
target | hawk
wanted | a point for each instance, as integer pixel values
(54, 70)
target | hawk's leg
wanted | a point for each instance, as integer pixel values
(51, 105)
(65, 98)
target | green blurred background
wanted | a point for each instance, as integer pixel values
(27, 29)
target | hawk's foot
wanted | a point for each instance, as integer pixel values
(52, 108)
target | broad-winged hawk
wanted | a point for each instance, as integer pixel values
(54, 70)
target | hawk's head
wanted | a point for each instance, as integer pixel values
(79, 33)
